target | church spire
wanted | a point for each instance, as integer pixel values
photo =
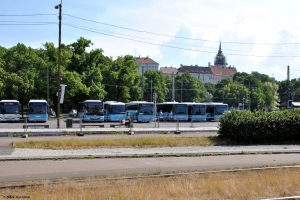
(220, 59)
(220, 49)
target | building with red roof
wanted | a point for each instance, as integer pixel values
(146, 63)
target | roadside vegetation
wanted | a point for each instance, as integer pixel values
(123, 142)
(259, 184)
(260, 127)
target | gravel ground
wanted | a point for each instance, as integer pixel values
(161, 150)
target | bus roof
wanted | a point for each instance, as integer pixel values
(9, 101)
(169, 102)
(216, 103)
(37, 100)
(114, 103)
(92, 101)
(194, 103)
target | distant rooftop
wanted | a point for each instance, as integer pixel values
(168, 70)
(145, 60)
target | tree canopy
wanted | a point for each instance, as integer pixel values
(27, 73)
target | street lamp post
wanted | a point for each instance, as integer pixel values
(59, 61)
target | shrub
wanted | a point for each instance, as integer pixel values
(260, 127)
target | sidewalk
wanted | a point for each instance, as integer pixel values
(30, 154)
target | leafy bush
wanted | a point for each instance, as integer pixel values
(260, 127)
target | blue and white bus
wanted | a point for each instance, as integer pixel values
(93, 111)
(196, 111)
(114, 111)
(173, 111)
(215, 110)
(141, 111)
(38, 110)
(9, 110)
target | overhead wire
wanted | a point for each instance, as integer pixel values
(203, 51)
(141, 31)
(97, 31)
(25, 15)
(168, 41)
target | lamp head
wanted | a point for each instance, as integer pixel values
(56, 7)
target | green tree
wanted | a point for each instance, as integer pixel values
(168, 91)
(122, 80)
(158, 85)
(189, 88)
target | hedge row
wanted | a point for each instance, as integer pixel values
(260, 127)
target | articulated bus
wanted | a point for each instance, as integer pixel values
(173, 111)
(196, 111)
(92, 111)
(215, 110)
(9, 110)
(114, 111)
(38, 110)
(141, 111)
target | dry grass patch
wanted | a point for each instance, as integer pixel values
(122, 142)
(238, 185)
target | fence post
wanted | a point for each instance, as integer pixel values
(177, 127)
(192, 122)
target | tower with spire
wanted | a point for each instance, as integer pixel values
(220, 59)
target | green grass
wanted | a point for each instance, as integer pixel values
(124, 142)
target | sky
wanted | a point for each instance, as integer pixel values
(256, 35)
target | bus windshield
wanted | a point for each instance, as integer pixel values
(38, 108)
(220, 109)
(199, 109)
(94, 108)
(180, 109)
(117, 109)
(146, 109)
(9, 108)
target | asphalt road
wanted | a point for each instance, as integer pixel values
(50, 169)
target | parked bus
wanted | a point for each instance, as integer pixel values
(93, 111)
(80, 109)
(9, 110)
(141, 111)
(196, 111)
(114, 111)
(173, 111)
(38, 110)
(215, 110)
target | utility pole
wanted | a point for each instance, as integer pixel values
(181, 91)
(288, 85)
(59, 61)
(47, 84)
(173, 87)
(142, 82)
(151, 91)
(48, 90)
(223, 92)
(249, 93)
